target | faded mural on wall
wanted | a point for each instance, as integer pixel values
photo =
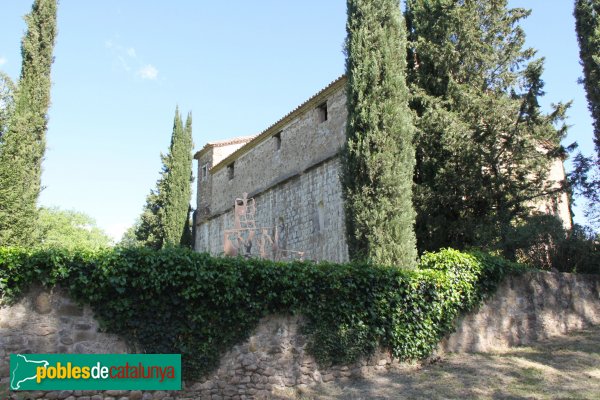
(248, 240)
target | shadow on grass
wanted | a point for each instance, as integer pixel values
(560, 368)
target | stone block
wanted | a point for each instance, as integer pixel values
(70, 310)
(63, 394)
(66, 340)
(115, 393)
(85, 336)
(82, 326)
(43, 303)
(135, 395)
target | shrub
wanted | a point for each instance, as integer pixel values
(543, 243)
(178, 301)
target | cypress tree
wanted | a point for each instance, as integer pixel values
(165, 219)
(23, 143)
(483, 145)
(585, 177)
(378, 159)
(7, 102)
(587, 26)
(176, 189)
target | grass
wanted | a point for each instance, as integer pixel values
(565, 367)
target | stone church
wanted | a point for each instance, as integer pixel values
(278, 194)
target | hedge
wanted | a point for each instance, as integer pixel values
(178, 301)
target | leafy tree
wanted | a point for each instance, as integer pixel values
(483, 145)
(70, 229)
(23, 142)
(149, 233)
(586, 175)
(378, 159)
(129, 238)
(165, 219)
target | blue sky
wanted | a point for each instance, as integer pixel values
(122, 67)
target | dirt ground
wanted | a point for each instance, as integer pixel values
(566, 367)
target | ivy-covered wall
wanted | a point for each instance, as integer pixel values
(275, 357)
(177, 301)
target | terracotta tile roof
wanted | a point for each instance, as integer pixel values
(225, 142)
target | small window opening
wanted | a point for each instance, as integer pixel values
(204, 172)
(322, 112)
(230, 170)
(277, 138)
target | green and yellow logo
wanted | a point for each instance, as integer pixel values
(95, 372)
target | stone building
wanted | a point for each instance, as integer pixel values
(291, 170)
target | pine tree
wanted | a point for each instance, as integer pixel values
(23, 144)
(483, 145)
(165, 219)
(378, 159)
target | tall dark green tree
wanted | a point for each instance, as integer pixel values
(587, 26)
(7, 101)
(165, 219)
(378, 159)
(23, 143)
(483, 145)
(586, 174)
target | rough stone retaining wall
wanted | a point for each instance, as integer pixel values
(273, 360)
(526, 308)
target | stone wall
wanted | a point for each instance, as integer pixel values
(526, 308)
(307, 210)
(209, 156)
(305, 141)
(274, 359)
(291, 170)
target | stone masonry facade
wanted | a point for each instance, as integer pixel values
(274, 360)
(292, 170)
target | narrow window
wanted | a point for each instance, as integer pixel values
(230, 170)
(204, 172)
(322, 112)
(277, 139)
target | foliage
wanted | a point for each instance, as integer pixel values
(129, 238)
(585, 178)
(578, 252)
(165, 219)
(23, 144)
(7, 101)
(483, 146)
(70, 229)
(587, 27)
(378, 159)
(543, 243)
(175, 300)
